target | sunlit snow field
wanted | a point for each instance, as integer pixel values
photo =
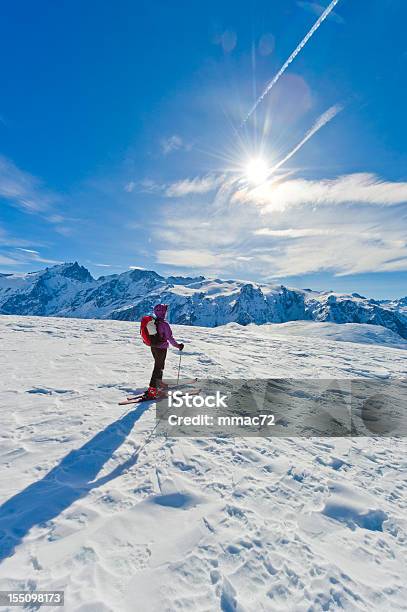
(192, 524)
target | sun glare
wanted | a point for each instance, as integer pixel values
(256, 171)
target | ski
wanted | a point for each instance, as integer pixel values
(167, 386)
(138, 399)
(131, 400)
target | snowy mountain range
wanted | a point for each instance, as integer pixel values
(69, 290)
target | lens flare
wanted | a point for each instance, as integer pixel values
(256, 171)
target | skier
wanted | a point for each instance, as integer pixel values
(159, 349)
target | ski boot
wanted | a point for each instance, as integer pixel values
(151, 393)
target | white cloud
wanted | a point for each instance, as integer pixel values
(192, 258)
(197, 185)
(22, 256)
(178, 189)
(173, 143)
(56, 219)
(23, 189)
(35, 256)
(150, 186)
(343, 255)
(64, 230)
(129, 187)
(292, 232)
(28, 251)
(291, 227)
(360, 188)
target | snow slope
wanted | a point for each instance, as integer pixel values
(347, 332)
(190, 524)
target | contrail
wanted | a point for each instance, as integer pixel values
(292, 57)
(319, 123)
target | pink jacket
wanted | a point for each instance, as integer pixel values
(163, 328)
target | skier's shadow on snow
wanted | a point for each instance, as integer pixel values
(67, 482)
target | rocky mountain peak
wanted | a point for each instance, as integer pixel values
(75, 271)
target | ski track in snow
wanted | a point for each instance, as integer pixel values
(189, 524)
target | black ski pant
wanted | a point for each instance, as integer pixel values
(159, 355)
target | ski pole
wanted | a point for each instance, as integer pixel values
(179, 367)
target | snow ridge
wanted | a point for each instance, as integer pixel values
(69, 290)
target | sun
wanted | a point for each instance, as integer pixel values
(256, 170)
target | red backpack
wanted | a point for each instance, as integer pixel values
(149, 332)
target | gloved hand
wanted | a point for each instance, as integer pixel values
(181, 346)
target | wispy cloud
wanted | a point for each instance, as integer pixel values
(197, 185)
(195, 258)
(31, 255)
(8, 261)
(293, 232)
(64, 230)
(28, 193)
(178, 189)
(359, 188)
(270, 228)
(20, 256)
(129, 187)
(147, 185)
(173, 143)
(23, 189)
(14, 241)
(28, 251)
(347, 253)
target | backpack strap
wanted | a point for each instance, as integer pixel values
(158, 339)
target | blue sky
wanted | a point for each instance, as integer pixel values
(121, 141)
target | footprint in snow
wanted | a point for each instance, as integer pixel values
(45, 391)
(176, 500)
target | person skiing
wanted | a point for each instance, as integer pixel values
(162, 340)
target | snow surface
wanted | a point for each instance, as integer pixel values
(239, 525)
(347, 332)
